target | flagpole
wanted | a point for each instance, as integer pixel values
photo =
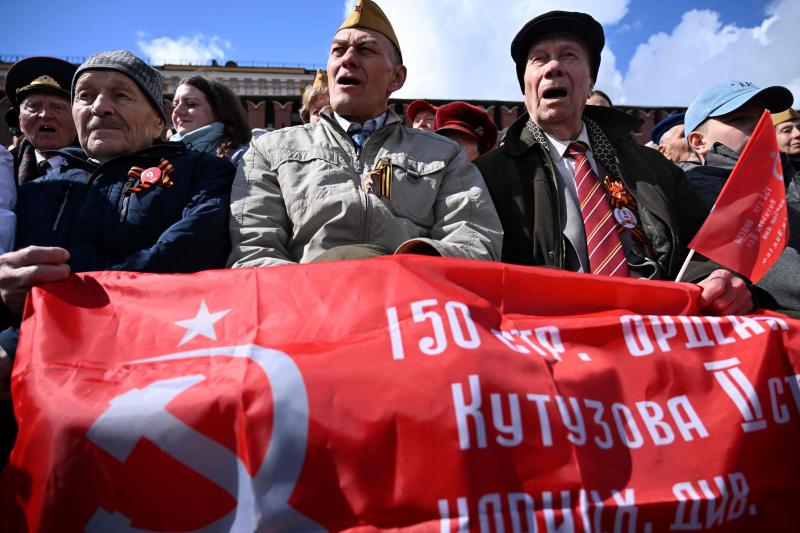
(685, 265)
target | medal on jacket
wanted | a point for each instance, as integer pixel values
(624, 208)
(379, 179)
(625, 217)
(147, 177)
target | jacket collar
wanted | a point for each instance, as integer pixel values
(76, 157)
(326, 114)
(721, 156)
(327, 120)
(614, 123)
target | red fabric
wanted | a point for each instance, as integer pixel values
(398, 392)
(746, 230)
(606, 255)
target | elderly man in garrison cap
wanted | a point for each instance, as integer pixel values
(38, 88)
(359, 184)
(574, 191)
(123, 201)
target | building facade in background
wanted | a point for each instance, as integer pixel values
(271, 95)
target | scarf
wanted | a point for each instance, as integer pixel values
(604, 153)
(203, 139)
(25, 161)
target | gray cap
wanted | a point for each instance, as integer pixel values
(146, 77)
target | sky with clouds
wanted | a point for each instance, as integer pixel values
(658, 52)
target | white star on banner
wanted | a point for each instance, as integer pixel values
(202, 324)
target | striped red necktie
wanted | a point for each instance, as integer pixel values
(606, 255)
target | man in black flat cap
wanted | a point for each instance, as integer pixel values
(575, 191)
(38, 87)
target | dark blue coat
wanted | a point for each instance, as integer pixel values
(89, 210)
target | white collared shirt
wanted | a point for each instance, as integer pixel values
(54, 161)
(572, 223)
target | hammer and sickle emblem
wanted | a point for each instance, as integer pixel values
(263, 499)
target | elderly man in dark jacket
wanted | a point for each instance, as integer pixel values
(123, 202)
(545, 179)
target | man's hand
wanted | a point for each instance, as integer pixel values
(21, 270)
(724, 294)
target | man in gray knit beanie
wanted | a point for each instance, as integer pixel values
(146, 77)
(117, 105)
(123, 200)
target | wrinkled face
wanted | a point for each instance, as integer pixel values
(362, 73)
(316, 106)
(674, 146)
(469, 143)
(113, 115)
(191, 109)
(557, 83)
(788, 134)
(424, 120)
(46, 121)
(733, 129)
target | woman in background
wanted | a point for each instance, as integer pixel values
(315, 97)
(208, 117)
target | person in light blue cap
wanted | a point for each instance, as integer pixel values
(718, 125)
(727, 113)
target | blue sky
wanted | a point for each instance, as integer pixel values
(453, 48)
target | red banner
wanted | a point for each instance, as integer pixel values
(399, 392)
(746, 230)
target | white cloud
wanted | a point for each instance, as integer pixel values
(195, 50)
(457, 49)
(701, 51)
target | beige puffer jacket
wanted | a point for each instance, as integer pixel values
(302, 190)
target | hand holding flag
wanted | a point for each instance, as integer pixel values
(746, 230)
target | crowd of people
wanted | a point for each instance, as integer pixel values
(95, 183)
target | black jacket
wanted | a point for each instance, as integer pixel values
(523, 186)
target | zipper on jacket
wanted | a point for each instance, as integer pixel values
(365, 201)
(381, 134)
(62, 207)
(554, 182)
(126, 197)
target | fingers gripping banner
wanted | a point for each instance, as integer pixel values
(400, 392)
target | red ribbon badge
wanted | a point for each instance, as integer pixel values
(160, 175)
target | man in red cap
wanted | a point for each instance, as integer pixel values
(468, 125)
(421, 115)
(574, 191)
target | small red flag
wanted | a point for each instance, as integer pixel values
(746, 230)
